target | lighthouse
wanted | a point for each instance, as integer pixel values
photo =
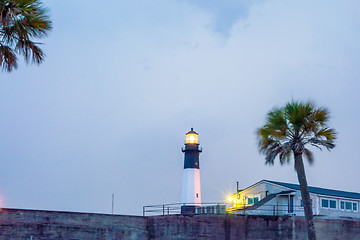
(191, 190)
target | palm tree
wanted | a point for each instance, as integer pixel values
(287, 132)
(21, 22)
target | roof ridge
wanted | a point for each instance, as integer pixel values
(309, 186)
(318, 190)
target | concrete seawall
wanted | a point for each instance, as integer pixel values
(247, 227)
(48, 225)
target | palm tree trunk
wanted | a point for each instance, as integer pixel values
(305, 195)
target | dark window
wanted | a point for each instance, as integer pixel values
(256, 199)
(325, 203)
(352, 206)
(333, 204)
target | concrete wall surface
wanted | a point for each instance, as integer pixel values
(48, 225)
(247, 227)
(16, 224)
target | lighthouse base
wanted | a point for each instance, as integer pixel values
(188, 210)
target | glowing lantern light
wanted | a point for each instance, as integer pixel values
(192, 137)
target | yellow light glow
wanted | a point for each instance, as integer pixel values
(192, 138)
(230, 199)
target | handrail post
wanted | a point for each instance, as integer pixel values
(143, 211)
(274, 210)
(163, 210)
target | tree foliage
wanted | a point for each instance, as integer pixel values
(21, 23)
(289, 129)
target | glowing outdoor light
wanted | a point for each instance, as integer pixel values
(192, 137)
(230, 199)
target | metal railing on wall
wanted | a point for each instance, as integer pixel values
(223, 208)
(175, 208)
(268, 209)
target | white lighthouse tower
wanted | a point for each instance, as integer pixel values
(191, 189)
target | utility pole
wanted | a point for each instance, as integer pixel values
(112, 205)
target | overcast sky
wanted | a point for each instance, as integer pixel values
(123, 82)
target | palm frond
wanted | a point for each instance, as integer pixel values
(322, 143)
(272, 151)
(309, 156)
(297, 113)
(21, 22)
(7, 58)
(285, 153)
(321, 115)
(327, 133)
(30, 51)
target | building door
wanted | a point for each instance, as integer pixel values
(291, 204)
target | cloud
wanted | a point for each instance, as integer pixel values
(224, 14)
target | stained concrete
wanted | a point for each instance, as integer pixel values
(49, 225)
(247, 227)
(16, 224)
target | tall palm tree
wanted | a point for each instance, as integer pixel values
(287, 132)
(21, 22)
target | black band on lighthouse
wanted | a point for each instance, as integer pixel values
(192, 153)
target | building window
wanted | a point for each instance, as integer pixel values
(324, 203)
(328, 203)
(349, 206)
(252, 200)
(302, 205)
(333, 204)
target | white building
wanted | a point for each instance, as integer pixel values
(277, 198)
